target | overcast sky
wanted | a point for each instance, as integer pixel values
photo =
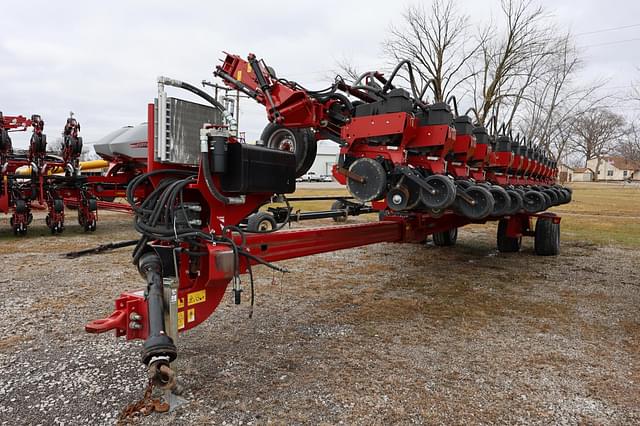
(101, 59)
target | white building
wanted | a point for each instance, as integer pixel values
(326, 157)
(615, 168)
(582, 174)
(566, 173)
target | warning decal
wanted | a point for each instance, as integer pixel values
(180, 320)
(196, 297)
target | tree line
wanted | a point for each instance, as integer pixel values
(519, 72)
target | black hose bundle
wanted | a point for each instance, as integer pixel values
(155, 216)
(155, 219)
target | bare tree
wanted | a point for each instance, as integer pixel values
(594, 133)
(344, 66)
(629, 146)
(438, 44)
(554, 100)
(510, 63)
(56, 146)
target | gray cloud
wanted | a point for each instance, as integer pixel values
(101, 59)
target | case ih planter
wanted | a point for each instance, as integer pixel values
(38, 180)
(426, 171)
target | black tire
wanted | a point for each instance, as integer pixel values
(463, 183)
(547, 237)
(21, 206)
(547, 200)
(39, 143)
(553, 196)
(445, 192)
(301, 142)
(90, 226)
(502, 201)
(261, 222)
(58, 205)
(404, 197)
(339, 205)
(483, 203)
(506, 244)
(534, 202)
(446, 238)
(567, 194)
(77, 146)
(515, 200)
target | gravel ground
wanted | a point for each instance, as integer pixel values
(446, 335)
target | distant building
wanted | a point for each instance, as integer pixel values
(326, 157)
(565, 173)
(582, 174)
(615, 168)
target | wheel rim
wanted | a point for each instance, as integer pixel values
(444, 196)
(482, 207)
(283, 140)
(533, 202)
(265, 225)
(398, 198)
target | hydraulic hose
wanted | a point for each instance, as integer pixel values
(388, 85)
(204, 160)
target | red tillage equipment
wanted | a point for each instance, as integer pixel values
(396, 151)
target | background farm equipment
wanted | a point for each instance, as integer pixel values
(71, 146)
(424, 170)
(38, 178)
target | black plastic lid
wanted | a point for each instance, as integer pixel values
(503, 144)
(463, 125)
(481, 135)
(439, 113)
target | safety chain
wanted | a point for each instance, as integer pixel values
(145, 406)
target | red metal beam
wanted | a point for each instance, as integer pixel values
(305, 242)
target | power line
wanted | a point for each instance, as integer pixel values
(627, 86)
(612, 42)
(604, 30)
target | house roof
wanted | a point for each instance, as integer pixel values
(622, 163)
(566, 166)
(582, 170)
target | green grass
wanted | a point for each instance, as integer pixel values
(601, 214)
(306, 206)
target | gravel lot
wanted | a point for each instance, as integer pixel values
(375, 335)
